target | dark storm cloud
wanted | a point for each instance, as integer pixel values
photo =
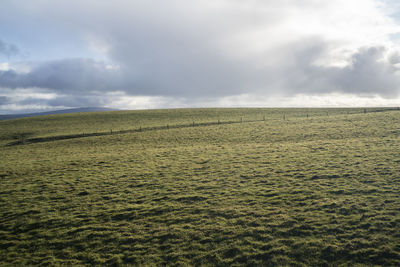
(4, 100)
(167, 74)
(71, 100)
(69, 75)
(368, 73)
(155, 77)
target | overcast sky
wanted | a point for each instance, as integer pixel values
(140, 54)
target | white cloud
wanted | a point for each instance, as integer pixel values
(5, 66)
(21, 94)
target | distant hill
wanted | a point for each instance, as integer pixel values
(63, 111)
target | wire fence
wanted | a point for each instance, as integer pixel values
(168, 127)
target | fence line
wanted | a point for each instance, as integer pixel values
(154, 128)
(111, 132)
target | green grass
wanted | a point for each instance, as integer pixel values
(322, 190)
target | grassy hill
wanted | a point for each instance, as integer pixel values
(202, 187)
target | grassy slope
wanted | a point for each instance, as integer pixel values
(322, 190)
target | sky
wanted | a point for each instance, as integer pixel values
(144, 54)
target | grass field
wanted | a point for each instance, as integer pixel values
(284, 187)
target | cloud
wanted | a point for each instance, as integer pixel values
(70, 75)
(8, 50)
(369, 72)
(4, 100)
(212, 49)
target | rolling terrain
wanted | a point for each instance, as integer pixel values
(202, 187)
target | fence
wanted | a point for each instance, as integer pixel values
(166, 127)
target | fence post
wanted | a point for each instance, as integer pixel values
(284, 116)
(219, 122)
(264, 118)
(241, 119)
(365, 110)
